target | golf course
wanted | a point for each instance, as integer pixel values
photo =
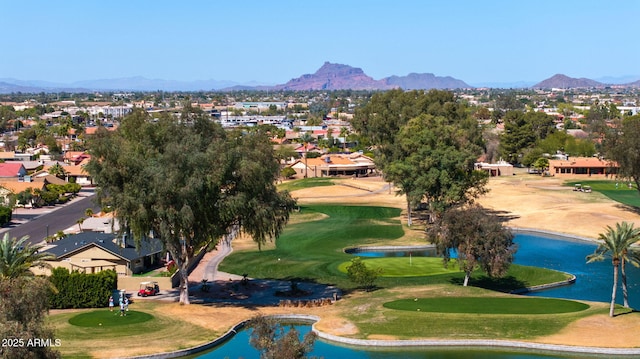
(337, 214)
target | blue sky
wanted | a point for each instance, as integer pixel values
(273, 41)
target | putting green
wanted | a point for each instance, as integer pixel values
(406, 267)
(105, 318)
(488, 305)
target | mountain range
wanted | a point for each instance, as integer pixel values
(329, 76)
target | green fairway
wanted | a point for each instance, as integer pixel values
(405, 267)
(104, 318)
(314, 251)
(622, 194)
(488, 305)
(305, 183)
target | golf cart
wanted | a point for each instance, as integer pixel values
(148, 288)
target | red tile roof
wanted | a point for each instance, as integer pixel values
(10, 169)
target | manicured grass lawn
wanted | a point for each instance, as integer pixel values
(104, 318)
(305, 183)
(314, 251)
(622, 194)
(488, 305)
(375, 320)
(129, 334)
(517, 277)
(400, 266)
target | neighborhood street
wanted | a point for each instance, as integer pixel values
(37, 222)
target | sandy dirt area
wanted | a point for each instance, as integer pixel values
(524, 201)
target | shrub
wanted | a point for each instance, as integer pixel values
(287, 172)
(361, 275)
(82, 290)
(5, 215)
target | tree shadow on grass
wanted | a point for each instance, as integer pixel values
(506, 284)
(628, 208)
(625, 311)
(502, 216)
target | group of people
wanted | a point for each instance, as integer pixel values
(124, 305)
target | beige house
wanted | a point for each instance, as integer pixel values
(502, 168)
(330, 165)
(92, 252)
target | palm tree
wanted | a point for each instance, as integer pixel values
(58, 171)
(616, 243)
(306, 138)
(17, 256)
(344, 132)
(80, 221)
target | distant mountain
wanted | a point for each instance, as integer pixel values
(9, 85)
(619, 80)
(415, 81)
(563, 81)
(143, 84)
(334, 77)
(340, 77)
(329, 76)
(633, 84)
(6, 87)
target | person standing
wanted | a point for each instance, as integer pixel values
(111, 303)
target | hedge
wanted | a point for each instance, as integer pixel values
(5, 215)
(81, 290)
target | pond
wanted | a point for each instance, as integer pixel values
(238, 347)
(593, 282)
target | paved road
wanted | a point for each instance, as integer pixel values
(36, 223)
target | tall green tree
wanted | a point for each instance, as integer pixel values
(24, 303)
(17, 257)
(434, 161)
(23, 299)
(479, 239)
(189, 184)
(623, 147)
(617, 244)
(522, 131)
(417, 157)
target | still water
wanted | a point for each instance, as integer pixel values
(593, 282)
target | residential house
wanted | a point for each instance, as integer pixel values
(12, 186)
(586, 166)
(75, 173)
(12, 169)
(329, 165)
(501, 168)
(75, 157)
(92, 252)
